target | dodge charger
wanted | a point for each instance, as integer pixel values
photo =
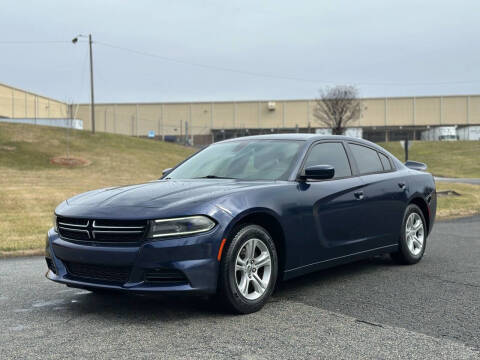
(243, 214)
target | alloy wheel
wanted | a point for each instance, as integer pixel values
(414, 233)
(253, 267)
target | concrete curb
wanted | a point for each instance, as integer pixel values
(472, 181)
(21, 253)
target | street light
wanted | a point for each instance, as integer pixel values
(92, 99)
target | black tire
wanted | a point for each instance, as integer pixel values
(404, 255)
(229, 293)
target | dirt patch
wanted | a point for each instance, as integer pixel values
(70, 161)
(8, 148)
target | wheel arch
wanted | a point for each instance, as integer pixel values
(422, 204)
(267, 219)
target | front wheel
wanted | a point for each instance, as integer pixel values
(248, 270)
(413, 237)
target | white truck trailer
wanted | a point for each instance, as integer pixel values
(352, 132)
(440, 133)
(469, 133)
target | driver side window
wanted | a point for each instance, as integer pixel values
(330, 153)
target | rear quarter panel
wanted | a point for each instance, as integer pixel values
(422, 185)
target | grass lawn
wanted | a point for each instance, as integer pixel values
(468, 203)
(31, 187)
(443, 158)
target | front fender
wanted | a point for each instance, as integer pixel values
(239, 217)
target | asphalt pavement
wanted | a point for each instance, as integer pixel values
(369, 309)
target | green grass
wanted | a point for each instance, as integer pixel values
(443, 158)
(467, 204)
(31, 186)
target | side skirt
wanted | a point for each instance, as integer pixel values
(302, 270)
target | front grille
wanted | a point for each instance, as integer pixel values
(165, 276)
(102, 232)
(51, 265)
(112, 274)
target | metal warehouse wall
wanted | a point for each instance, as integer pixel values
(170, 118)
(202, 117)
(17, 103)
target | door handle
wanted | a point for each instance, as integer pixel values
(358, 195)
(402, 185)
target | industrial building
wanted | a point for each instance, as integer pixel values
(383, 119)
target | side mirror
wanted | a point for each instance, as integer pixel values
(319, 172)
(165, 172)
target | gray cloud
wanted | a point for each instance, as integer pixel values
(388, 48)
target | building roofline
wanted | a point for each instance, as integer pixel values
(265, 101)
(31, 93)
(229, 101)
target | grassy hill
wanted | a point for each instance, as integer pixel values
(444, 158)
(31, 186)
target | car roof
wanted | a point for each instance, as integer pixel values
(308, 137)
(301, 137)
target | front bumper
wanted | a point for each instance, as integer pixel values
(195, 257)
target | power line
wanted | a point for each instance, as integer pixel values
(245, 72)
(281, 77)
(23, 42)
(212, 67)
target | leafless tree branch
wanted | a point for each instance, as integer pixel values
(337, 107)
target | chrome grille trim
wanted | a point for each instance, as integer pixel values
(110, 232)
(73, 225)
(116, 227)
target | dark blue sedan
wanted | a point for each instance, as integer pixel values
(243, 214)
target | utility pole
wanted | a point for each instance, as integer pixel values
(92, 97)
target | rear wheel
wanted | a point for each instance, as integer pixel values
(413, 237)
(248, 270)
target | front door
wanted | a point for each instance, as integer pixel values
(331, 209)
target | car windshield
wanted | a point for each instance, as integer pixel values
(243, 160)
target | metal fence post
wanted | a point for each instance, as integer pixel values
(115, 118)
(136, 119)
(13, 103)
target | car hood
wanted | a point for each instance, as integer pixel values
(162, 193)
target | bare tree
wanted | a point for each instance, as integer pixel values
(337, 107)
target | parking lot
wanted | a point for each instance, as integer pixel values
(369, 309)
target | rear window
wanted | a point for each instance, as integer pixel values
(367, 159)
(385, 162)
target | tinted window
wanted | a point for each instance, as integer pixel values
(385, 162)
(367, 159)
(330, 154)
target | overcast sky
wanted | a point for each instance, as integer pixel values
(278, 49)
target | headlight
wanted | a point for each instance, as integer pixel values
(54, 220)
(180, 226)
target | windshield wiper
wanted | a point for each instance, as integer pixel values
(213, 177)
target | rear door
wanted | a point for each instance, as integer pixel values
(331, 210)
(384, 195)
